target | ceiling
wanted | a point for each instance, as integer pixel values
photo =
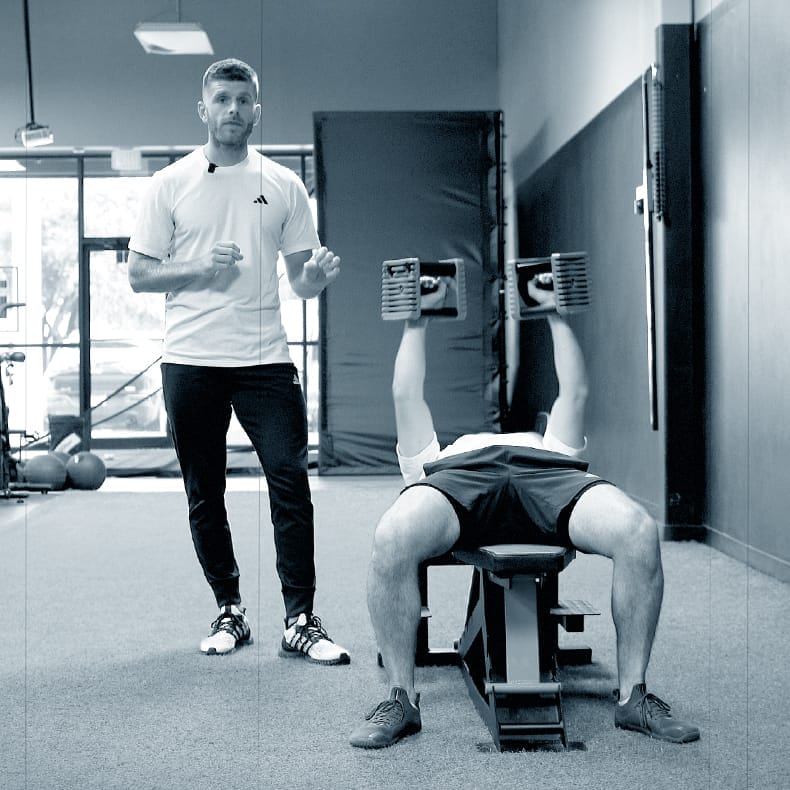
(94, 84)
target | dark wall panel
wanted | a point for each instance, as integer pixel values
(582, 199)
(396, 185)
(769, 279)
(724, 123)
(679, 267)
(744, 118)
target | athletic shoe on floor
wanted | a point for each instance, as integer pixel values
(647, 714)
(308, 639)
(229, 631)
(388, 722)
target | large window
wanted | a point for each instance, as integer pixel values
(91, 345)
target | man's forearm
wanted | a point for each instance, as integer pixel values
(150, 275)
(305, 289)
(413, 418)
(410, 363)
(568, 357)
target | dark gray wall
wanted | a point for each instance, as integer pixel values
(95, 86)
(582, 199)
(742, 114)
(745, 163)
(561, 63)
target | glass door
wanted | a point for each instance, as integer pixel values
(122, 395)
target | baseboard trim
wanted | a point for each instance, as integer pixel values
(732, 547)
(754, 558)
(698, 532)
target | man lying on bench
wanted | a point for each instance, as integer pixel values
(508, 488)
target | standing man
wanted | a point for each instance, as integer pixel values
(208, 236)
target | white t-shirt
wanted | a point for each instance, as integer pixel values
(234, 319)
(411, 467)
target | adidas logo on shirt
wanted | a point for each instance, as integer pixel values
(260, 199)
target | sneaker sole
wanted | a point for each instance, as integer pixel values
(345, 658)
(687, 739)
(212, 651)
(365, 744)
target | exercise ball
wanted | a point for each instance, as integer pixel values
(86, 470)
(47, 470)
(60, 454)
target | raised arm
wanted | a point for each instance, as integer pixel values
(413, 418)
(412, 415)
(566, 420)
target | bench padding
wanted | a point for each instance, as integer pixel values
(507, 559)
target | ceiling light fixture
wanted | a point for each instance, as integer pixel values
(173, 38)
(32, 134)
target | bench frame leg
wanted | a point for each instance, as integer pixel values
(508, 659)
(508, 652)
(425, 655)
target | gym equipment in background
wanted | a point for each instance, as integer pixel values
(563, 273)
(62, 454)
(86, 470)
(448, 204)
(6, 459)
(407, 285)
(45, 474)
(46, 469)
(649, 199)
(10, 467)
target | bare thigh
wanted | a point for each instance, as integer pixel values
(602, 519)
(422, 523)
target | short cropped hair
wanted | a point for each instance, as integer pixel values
(233, 70)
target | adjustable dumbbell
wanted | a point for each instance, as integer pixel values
(409, 286)
(563, 274)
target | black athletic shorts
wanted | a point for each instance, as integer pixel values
(508, 494)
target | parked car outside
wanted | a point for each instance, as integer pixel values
(122, 370)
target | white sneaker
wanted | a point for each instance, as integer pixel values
(229, 631)
(308, 639)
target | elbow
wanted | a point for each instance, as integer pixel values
(134, 273)
(298, 287)
(302, 294)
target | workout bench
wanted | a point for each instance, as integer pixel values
(508, 651)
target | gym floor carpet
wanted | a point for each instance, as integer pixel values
(103, 685)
